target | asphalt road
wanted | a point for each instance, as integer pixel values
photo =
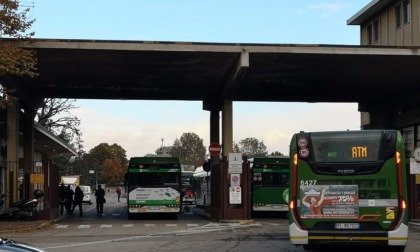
(189, 232)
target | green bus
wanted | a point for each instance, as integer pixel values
(187, 188)
(348, 188)
(154, 186)
(269, 185)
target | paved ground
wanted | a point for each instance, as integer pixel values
(10, 227)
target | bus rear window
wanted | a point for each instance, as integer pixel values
(349, 147)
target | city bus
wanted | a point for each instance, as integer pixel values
(201, 187)
(348, 187)
(154, 186)
(187, 188)
(269, 185)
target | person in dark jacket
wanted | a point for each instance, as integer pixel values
(62, 197)
(69, 201)
(100, 200)
(119, 193)
(78, 199)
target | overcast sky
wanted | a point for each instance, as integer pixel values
(140, 126)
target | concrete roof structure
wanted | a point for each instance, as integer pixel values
(211, 72)
(49, 144)
(44, 140)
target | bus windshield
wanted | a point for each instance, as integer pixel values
(154, 179)
(269, 185)
(346, 147)
(271, 176)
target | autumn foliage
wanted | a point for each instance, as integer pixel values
(14, 60)
(112, 171)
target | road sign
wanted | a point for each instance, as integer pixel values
(235, 163)
(235, 195)
(214, 149)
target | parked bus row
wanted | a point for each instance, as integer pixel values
(269, 185)
(157, 185)
(346, 187)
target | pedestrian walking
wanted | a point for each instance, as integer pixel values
(100, 200)
(69, 201)
(62, 197)
(78, 199)
(119, 193)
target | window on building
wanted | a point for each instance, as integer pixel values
(406, 11)
(408, 135)
(418, 136)
(398, 15)
(375, 30)
(369, 34)
(402, 12)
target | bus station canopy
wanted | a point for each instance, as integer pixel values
(212, 72)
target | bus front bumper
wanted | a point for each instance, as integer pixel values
(398, 237)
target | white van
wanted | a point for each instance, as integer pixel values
(87, 192)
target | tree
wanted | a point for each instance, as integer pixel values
(177, 148)
(15, 60)
(104, 152)
(112, 171)
(189, 148)
(276, 153)
(164, 150)
(54, 114)
(250, 147)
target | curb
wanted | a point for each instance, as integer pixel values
(48, 223)
(414, 223)
(208, 216)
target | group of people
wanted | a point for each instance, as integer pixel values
(69, 199)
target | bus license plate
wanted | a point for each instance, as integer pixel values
(276, 207)
(154, 208)
(347, 226)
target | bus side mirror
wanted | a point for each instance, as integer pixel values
(206, 167)
(126, 177)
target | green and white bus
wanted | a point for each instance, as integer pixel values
(270, 185)
(154, 186)
(348, 188)
(187, 188)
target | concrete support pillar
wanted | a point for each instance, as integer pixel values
(215, 132)
(227, 128)
(13, 112)
(28, 149)
(379, 117)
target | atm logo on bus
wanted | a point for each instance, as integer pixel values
(359, 152)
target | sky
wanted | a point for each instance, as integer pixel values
(141, 127)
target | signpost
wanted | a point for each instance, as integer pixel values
(235, 163)
(214, 149)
